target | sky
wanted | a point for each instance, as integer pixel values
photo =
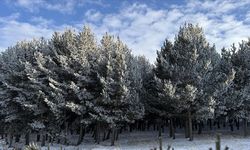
(142, 24)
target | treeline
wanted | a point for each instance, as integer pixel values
(72, 84)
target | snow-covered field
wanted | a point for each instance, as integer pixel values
(148, 140)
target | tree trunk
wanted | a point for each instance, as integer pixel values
(159, 129)
(81, 134)
(43, 140)
(217, 142)
(108, 135)
(50, 139)
(160, 142)
(6, 138)
(159, 134)
(11, 139)
(27, 138)
(210, 124)
(245, 127)
(171, 128)
(116, 134)
(98, 132)
(38, 137)
(196, 126)
(199, 128)
(186, 128)
(237, 123)
(231, 125)
(58, 141)
(148, 125)
(218, 123)
(66, 133)
(130, 128)
(104, 135)
(190, 126)
(17, 139)
(113, 137)
(174, 126)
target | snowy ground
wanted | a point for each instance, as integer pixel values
(148, 140)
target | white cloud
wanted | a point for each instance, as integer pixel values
(62, 6)
(93, 15)
(42, 21)
(144, 28)
(12, 30)
(247, 17)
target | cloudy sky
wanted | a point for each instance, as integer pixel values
(141, 24)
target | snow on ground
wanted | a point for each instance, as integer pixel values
(147, 140)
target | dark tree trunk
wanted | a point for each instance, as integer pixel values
(160, 142)
(245, 127)
(6, 139)
(160, 133)
(130, 128)
(38, 137)
(171, 128)
(11, 139)
(116, 135)
(174, 126)
(17, 139)
(50, 139)
(231, 125)
(66, 132)
(190, 126)
(113, 137)
(186, 129)
(148, 126)
(43, 140)
(27, 138)
(108, 135)
(98, 132)
(81, 134)
(104, 136)
(159, 129)
(237, 123)
(196, 126)
(218, 123)
(144, 125)
(199, 127)
(210, 124)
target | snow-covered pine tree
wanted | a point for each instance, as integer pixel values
(140, 69)
(91, 52)
(66, 71)
(216, 85)
(20, 105)
(181, 67)
(120, 103)
(234, 104)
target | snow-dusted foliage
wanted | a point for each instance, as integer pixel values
(235, 102)
(68, 82)
(120, 96)
(72, 83)
(182, 68)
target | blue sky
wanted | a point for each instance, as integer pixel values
(142, 25)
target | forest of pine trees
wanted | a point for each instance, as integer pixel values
(72, 84)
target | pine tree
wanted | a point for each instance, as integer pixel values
(182, 66)
(20, 106)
